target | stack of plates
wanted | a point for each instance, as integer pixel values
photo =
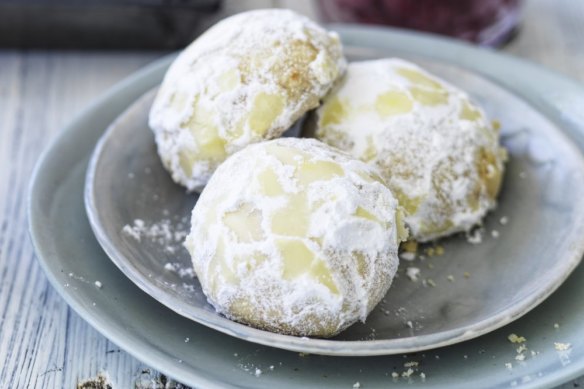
(444, 335)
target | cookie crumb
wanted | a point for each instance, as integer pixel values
(128, 230)
(562, 346)
(521, 349)
(413, 273)
(101, 381)
(168, 266)
(475, 236)
(407, 373)
(513, 338)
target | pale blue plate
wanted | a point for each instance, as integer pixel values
(156, 335)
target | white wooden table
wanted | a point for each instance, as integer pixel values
(43, 343)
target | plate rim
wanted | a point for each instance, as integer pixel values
(566, 373)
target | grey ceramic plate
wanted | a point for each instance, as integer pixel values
(505, 277)
(156, 335)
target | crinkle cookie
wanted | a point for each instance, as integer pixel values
(435, 148)
(295, 237)
(245, 80)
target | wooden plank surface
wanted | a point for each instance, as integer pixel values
(43, 343)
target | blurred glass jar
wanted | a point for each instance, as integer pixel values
(485, 22)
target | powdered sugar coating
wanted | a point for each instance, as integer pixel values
(247, 79)
(435, 148)
(295, 237)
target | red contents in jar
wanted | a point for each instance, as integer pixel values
(482, 21)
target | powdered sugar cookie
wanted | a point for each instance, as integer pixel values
(435, 148)
(247, 79)
(295, 237)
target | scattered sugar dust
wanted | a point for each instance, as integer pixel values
(167, 233)
(256, 370)
(411, 370)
